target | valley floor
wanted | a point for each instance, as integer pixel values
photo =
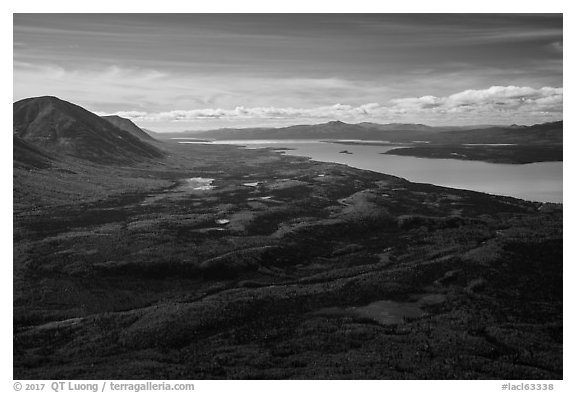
(287, 268)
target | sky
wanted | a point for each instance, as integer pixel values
(172, 72)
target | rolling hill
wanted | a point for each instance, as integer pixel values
(64, 129)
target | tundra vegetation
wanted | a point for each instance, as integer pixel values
(276, 267)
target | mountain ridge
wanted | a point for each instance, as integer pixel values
(62, 128)
(394, 132)
(129, 126)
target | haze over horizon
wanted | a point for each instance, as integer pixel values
(169, 72)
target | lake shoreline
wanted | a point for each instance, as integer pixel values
(540, 181)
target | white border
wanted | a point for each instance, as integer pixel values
(298, 6)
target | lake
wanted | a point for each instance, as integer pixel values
(534, 182)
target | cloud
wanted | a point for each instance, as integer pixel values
(165, 100)
(116, 88)
(513, 99)
(111, 84)
(243, 113)
(557, 46)
(505, 100)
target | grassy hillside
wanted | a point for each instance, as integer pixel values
(65, 129)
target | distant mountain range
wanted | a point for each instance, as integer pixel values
(330, 130)
(46, 128)
(547, 133)
(538, 134)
